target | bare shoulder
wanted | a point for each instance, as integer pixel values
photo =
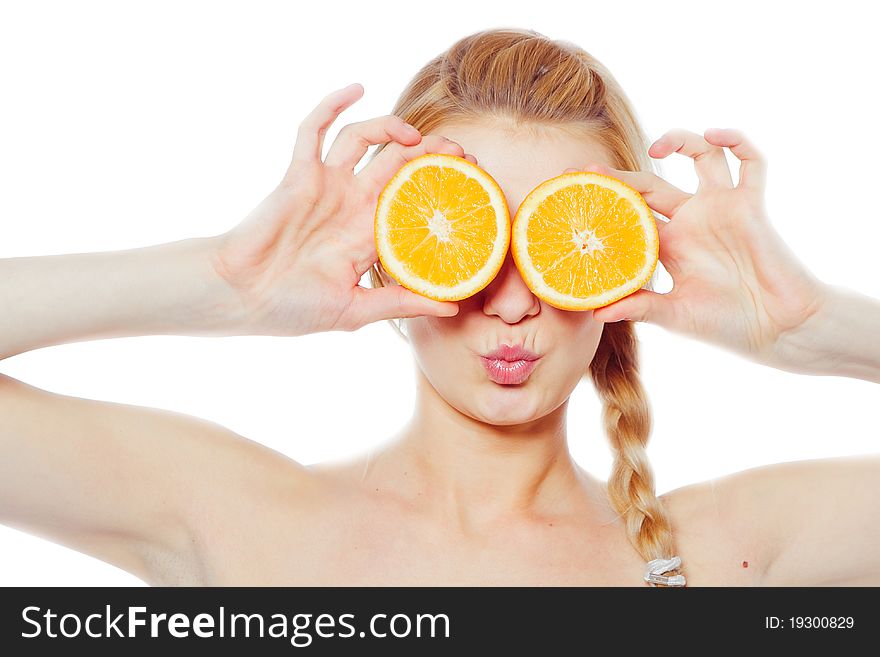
(813, 521)
(264, 519)
(779, 522)
(235, 492)
(134, 486)
(718, 531)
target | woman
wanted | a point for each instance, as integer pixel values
(479, 486)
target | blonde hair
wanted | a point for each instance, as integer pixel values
(525, 77)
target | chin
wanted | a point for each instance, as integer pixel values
(508, 406)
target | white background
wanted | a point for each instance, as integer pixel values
(130, 124)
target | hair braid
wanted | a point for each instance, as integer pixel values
(627, 418)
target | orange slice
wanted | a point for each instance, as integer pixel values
(442, 227)
(583, 240)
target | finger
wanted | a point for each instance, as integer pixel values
(659, 194)
(310, 136)
(383, 167)
(709, 160)
(640, 306)
(753, 165)
(395, 301)
(355, 139)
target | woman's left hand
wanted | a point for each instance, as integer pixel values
(736, 284)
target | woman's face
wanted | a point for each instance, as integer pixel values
(448, 350)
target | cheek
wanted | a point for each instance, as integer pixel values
(578, 338)
(423, 332)
(428, 338)
(439, 344)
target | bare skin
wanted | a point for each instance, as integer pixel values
(479, 487)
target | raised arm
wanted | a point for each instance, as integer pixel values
(165, 289)
(738, 285)
(128, 484)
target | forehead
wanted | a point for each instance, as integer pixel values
(520, 158)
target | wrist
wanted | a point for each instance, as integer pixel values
(839, 339)
(212, 306)
(173, 289)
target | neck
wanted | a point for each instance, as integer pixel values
(478, 472)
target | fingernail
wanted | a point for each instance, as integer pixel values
(411, 127)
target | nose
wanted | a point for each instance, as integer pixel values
(508, 296)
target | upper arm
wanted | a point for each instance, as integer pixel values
(820, 519)
(122, 483)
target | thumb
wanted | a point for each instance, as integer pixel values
(640, 306)
(395, 301)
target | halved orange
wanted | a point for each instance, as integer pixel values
(583, 240)
(442, 227)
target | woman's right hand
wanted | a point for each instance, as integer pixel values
(296, 260)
